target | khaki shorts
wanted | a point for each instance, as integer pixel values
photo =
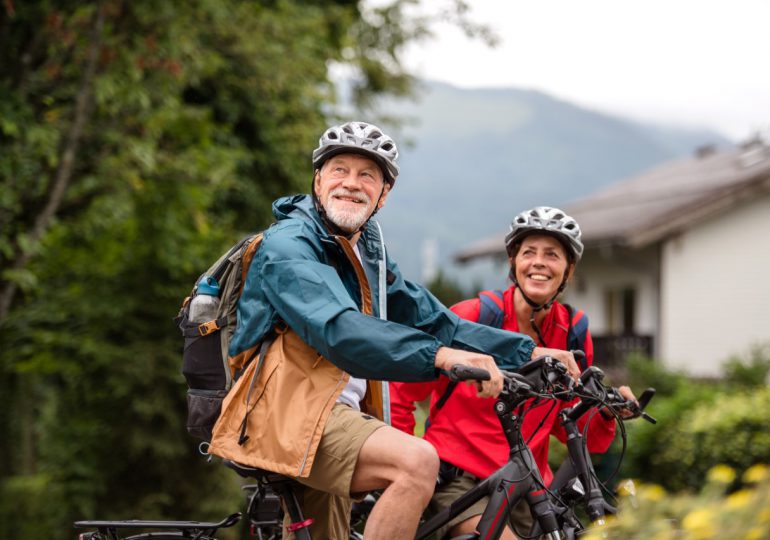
(446, 494)
(325, 494)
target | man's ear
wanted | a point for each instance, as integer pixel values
(385, 191)
(316, 180)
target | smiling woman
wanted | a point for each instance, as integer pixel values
(544, 246)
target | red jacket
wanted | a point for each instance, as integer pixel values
(465, 420)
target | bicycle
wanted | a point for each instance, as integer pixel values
(518, 478)
(553, 508)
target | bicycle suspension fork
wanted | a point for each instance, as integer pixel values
(595, 504)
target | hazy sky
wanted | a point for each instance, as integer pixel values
(699, 63)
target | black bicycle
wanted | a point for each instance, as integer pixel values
(575, 482)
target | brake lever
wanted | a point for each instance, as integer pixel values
(636, 407)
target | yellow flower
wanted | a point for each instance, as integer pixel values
(764, 515)
(652, 493)
(698, 523)
(739, 499)
(755, 533)
(756, 473)
(721, 474)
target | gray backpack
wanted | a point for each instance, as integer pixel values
(205, 360)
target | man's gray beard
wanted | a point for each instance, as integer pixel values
(347, 221)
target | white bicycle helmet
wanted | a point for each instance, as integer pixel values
(550, 221)
(359, 138)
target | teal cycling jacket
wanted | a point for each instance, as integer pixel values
(300, 276)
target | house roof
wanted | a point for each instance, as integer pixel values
(653, 205)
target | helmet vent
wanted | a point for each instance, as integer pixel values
(367, 138)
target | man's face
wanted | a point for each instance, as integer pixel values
(349, 187)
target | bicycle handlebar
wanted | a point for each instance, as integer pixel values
(593, 392)
(546, 375)
(460, 372)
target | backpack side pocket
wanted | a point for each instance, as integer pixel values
(203, 409)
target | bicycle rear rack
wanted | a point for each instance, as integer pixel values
(191, 529)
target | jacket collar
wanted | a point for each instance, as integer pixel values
(302, 207)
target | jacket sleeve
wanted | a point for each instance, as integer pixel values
(403, 397)
(309, 296)
(412, 304)
(600, 431)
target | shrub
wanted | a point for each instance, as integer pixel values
(751, 370)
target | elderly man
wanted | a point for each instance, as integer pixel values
(314, 303)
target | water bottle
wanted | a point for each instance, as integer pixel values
(205, 303)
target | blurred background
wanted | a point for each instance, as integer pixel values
(140, 139)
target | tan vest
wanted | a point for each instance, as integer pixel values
(289, 402)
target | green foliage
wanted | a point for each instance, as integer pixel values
(644, 372)
(751, 370)
(23, 506)
(733, 429)
(447, 290)
(700, 423)
(137, 140)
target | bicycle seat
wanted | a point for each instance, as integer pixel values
(252, 472)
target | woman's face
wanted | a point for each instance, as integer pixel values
(541, 264)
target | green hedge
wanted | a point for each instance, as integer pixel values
(700, 423)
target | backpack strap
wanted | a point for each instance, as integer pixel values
(248, 256)
(491, 313)
(491, 309)
(577, 331)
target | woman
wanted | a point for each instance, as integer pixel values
(544, 246)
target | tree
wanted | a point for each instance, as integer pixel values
(137, 139)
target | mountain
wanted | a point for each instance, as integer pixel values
(474, 158)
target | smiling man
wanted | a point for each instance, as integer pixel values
(313, 303)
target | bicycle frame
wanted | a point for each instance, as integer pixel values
(518, 478)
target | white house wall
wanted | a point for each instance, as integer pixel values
(715, 289)
(601, 270)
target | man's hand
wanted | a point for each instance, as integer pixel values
(446, 357)
(565, 357)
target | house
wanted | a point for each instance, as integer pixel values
(677, 260)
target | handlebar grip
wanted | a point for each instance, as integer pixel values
(460, 372)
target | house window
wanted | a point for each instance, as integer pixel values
(620, 306)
